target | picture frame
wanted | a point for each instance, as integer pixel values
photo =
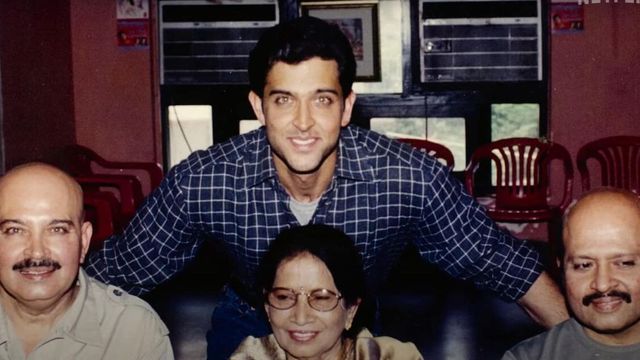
(359, 22)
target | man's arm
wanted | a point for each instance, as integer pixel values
(156, 244)
(544, 302)
(458, 236)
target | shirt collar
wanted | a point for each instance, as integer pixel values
(259, 162)
(80, 322)
(4, 331)
(352, 161)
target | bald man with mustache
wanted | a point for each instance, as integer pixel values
(601, 270)
(49, 307)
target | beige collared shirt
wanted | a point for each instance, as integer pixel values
(104, 322)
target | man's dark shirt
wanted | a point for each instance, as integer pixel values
(383, 195)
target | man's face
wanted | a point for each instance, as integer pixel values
(42, 238)
(303, 109)
(602, 269)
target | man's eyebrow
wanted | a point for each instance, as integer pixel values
(579, 257)
(11, 221)
(52, 222)
(61, 221)
(285, 92)
(623, 255)
(333, 91)
(608, 257)
(278, 92)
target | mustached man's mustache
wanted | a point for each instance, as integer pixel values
(613, 293)
(29, 263)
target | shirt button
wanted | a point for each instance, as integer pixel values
(117, 292)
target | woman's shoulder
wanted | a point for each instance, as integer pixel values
(253, 348)
(372, 347)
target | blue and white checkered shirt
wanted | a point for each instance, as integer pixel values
(383, 194)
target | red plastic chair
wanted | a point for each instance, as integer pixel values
(436, 150)
(82, 161)
(618, 158)
(126, 188)
(522, 180)
(102, 209)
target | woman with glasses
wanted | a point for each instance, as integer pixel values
(313, 283)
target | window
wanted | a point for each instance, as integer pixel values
(449, 132)
(400, 127)
(248, 125)
(190, 129)
(515, 120)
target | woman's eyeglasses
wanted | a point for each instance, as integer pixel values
(318, 299)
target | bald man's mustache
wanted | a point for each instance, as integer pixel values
(30, 263)
(613, 293)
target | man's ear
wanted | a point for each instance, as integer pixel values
(85, 239)
(348, 109)
(256, 104)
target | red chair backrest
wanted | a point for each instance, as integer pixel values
(619, 161)
(434, 149)
(126, 188)
(102, 209)
(522, 171)
(79, 161)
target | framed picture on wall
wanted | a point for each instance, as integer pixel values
(359, 22)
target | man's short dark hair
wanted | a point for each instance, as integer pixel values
(299, 40)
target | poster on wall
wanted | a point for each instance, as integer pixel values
(566, 18)
(359, 22)
(133, 23)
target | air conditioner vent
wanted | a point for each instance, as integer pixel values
(206, 42)
(478, 41)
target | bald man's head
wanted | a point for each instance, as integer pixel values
(43, 239)
(598, 207)
(42, 178)
(603, 205)
(601, 265)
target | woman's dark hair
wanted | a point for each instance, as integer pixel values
(333, 247)
(299, 40)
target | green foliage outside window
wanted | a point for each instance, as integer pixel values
(514, 120)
